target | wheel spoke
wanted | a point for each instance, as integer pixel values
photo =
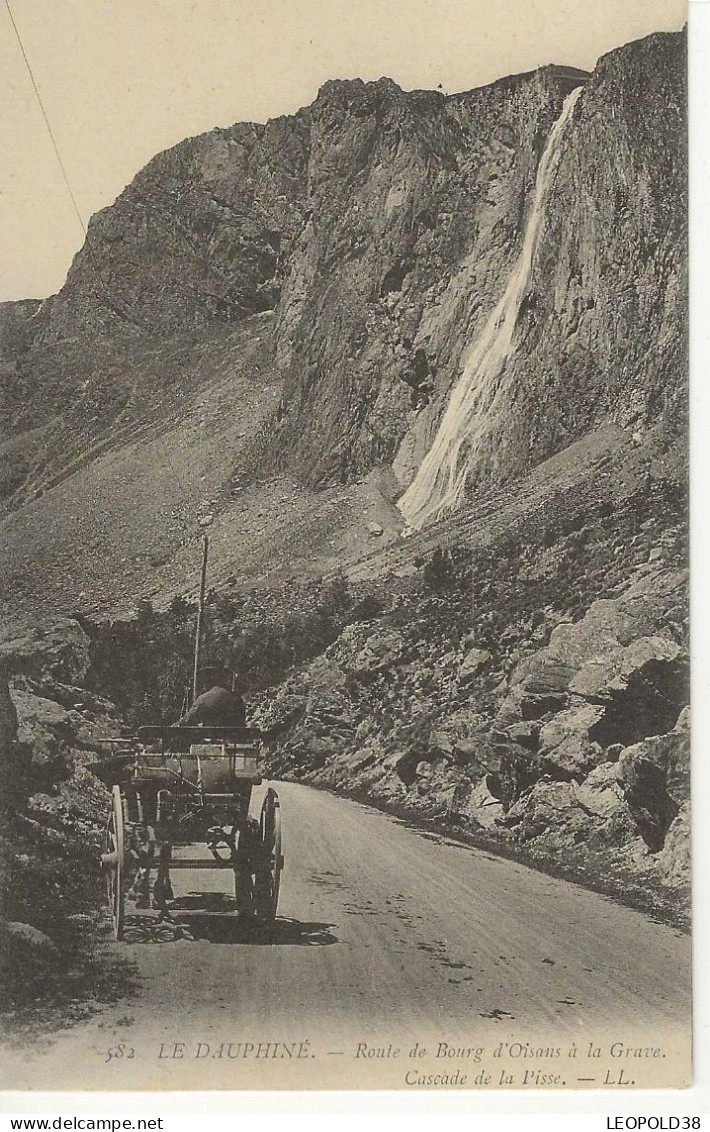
(113, 860)
(268, 880)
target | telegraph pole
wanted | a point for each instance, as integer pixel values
(200, 612)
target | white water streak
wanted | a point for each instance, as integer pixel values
(440, 483)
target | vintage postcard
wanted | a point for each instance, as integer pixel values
(344, 665)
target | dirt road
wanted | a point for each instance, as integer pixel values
(386, 936)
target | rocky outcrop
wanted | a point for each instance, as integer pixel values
(615, 675)
(52, 811)
(58, 650)
(566, 739)
(674, 858)
(202, 234)
(655, 778)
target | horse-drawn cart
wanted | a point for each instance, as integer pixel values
(173, 787)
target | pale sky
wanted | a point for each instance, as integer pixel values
(123, 79)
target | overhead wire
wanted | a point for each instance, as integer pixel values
(109, 298)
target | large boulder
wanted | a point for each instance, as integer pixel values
(475, 804)
(43, 725)
(404, 765)
(564, 741)
(622, 655)
(644, 783)
(526, 733)
(674, 859)
(59, 651)
(573, 756)
(364, 653)
(510, 768)
(532, 696)
(27, 937)
(560, 816)
(441, 742)
(610, 670)
(671, 754)
(544, 674)
(600, 793)
(474, 662)
(605, 682)
(28, 958)
(654, 776)
(549, 810)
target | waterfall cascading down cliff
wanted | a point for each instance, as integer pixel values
(440, 483)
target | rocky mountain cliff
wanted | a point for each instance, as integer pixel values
(379, 226)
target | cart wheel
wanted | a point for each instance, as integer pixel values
(268, 877)
(112, 861)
